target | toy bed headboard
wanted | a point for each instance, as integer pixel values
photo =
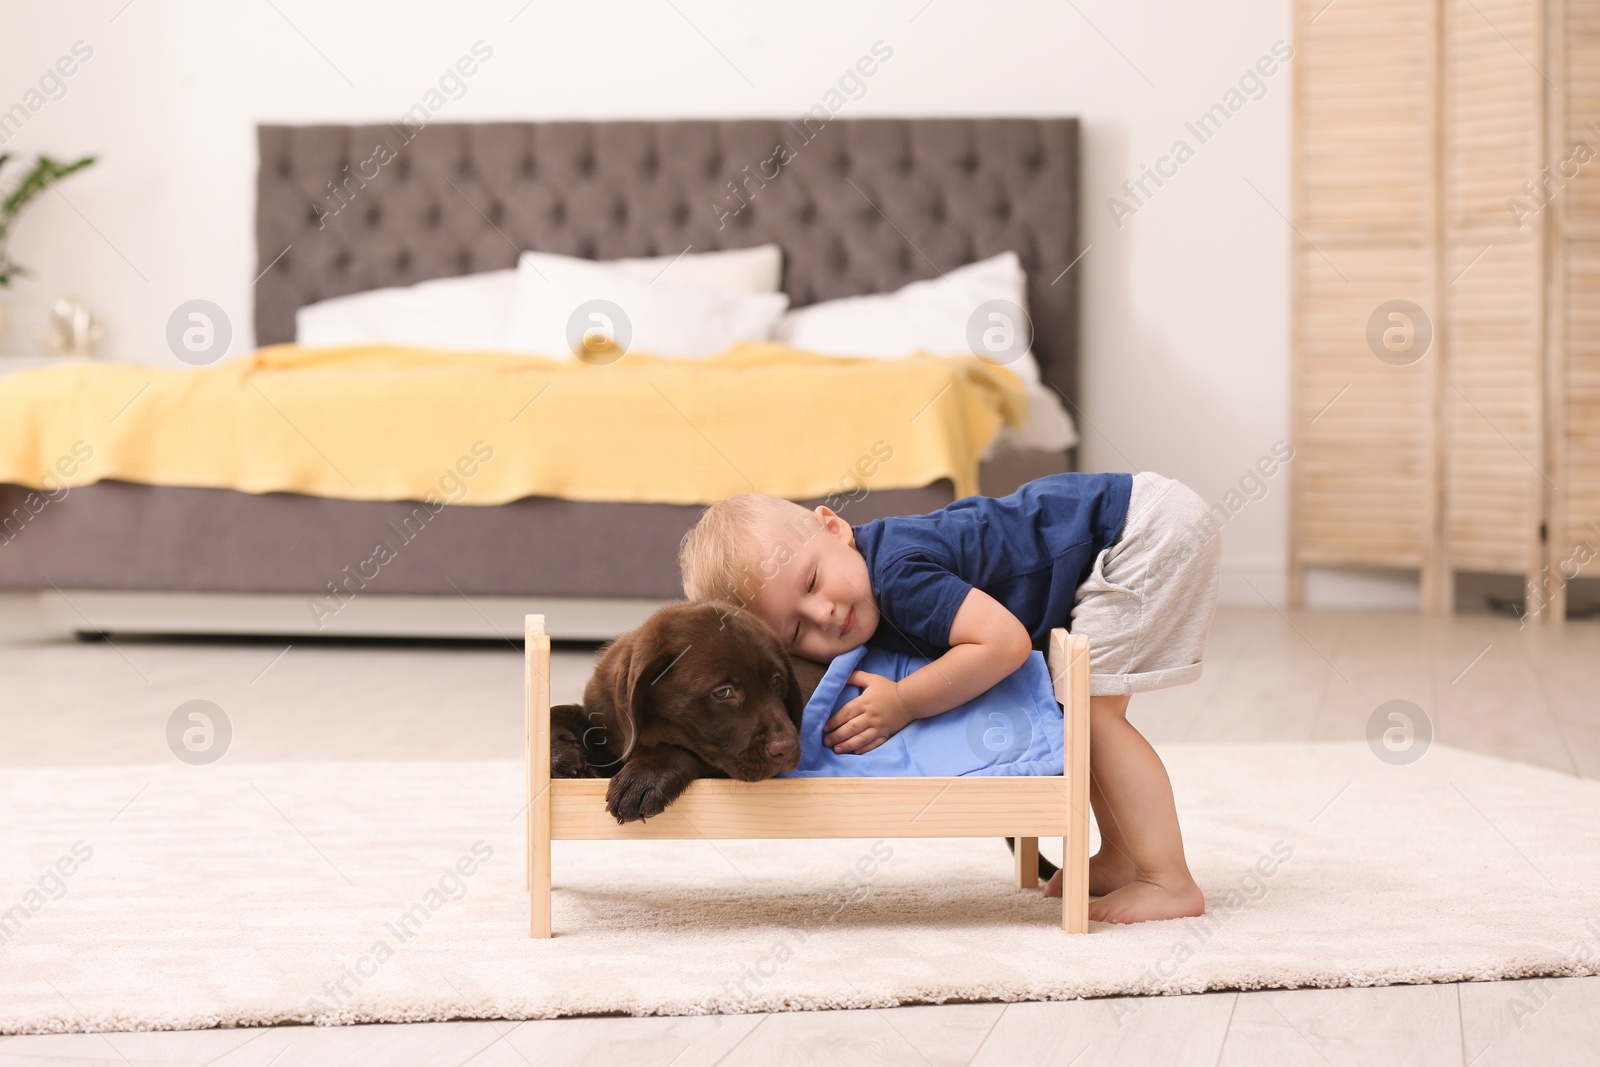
(858, 205)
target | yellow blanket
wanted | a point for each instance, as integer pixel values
(390, 423)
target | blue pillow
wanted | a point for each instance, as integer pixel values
(1014, 728)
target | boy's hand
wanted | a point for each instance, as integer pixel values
(870, 719)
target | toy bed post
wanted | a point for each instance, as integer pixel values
(537, 688)
(1069, 672)
(1027, 863)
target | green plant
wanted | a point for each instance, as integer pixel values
(44, 171)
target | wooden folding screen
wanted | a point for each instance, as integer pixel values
(1446, 382)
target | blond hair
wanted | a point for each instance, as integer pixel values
(735, 546)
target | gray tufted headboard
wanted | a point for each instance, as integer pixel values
(858, 205)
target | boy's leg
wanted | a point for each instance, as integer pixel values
(1138, 795)
(1112, 867)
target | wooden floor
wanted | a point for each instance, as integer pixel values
(1531, 695)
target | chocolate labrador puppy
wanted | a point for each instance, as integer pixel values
(701, 690)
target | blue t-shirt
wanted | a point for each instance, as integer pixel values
(1030, 551)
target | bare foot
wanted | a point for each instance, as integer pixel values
(1106, 873)
(1141, 901)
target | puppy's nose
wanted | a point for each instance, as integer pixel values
(781, 747)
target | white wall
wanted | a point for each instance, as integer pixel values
(1186, 330)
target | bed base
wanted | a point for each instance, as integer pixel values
(1024, 807)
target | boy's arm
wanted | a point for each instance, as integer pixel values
(987, 643)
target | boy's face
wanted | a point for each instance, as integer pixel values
(820, 602)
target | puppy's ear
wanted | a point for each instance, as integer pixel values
(608, 698)
(639, 660)
(634, 708)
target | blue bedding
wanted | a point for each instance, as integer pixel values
(1014, 728)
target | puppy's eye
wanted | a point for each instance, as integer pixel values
(777, 680)
(723, 692)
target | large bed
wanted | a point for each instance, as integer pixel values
(863, 207)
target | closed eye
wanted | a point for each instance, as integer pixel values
(812, 584)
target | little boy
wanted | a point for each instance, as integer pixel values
(1128, 560)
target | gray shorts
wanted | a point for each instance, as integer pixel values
(1147, 605)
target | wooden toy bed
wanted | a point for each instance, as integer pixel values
(1024, 807)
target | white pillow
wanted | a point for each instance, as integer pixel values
(742, 270)
(471, 312)
(935, 316)
(929, 316)
(467, 313)
(560, 298)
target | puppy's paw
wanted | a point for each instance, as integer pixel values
(638, 792)
(568, 758)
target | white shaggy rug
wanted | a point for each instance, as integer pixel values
(171, 896)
